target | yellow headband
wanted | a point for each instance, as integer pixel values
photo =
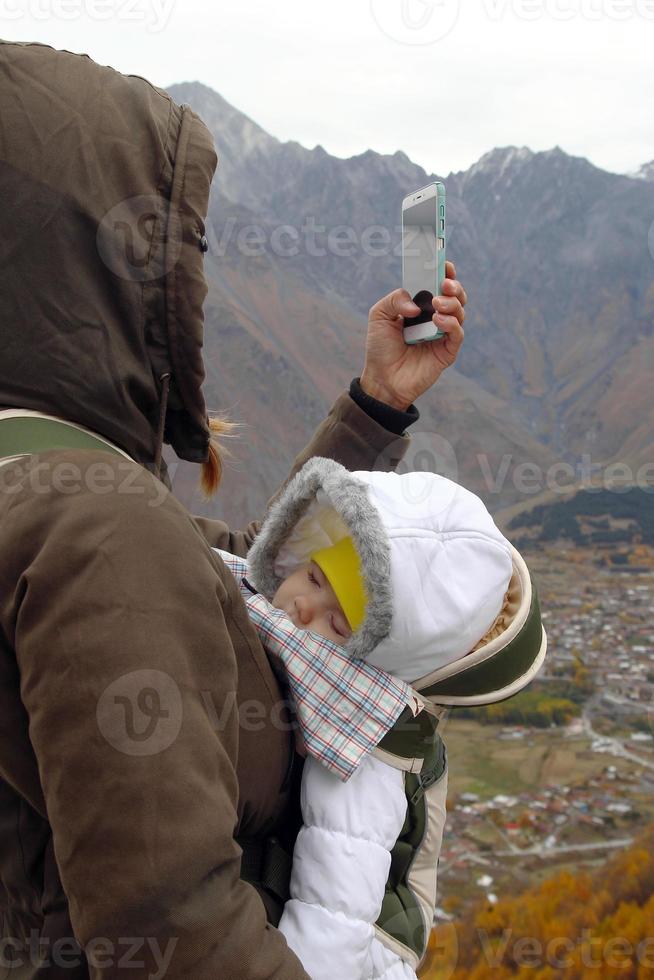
(342, 568)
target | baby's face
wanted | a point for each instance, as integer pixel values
(309, 601)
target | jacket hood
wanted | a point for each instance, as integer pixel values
(446, 591)
(104, 183)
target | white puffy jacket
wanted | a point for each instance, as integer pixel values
(447, 594)
(341, 864)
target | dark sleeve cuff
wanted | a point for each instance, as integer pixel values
(392, 419)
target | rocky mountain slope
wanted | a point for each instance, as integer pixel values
(558, 266)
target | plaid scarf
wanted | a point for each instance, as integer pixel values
(343, 706)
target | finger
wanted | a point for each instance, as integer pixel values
(395, 304)
(453, 340)
(449, 305)
(452, 287)
(450, 271)
(451, 327)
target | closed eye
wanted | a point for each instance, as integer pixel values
(336, 630)
(335, 627)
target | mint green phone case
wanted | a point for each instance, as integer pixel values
(441, 242)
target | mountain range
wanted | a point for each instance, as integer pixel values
(557, 258)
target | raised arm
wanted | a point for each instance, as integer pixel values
(365, 428)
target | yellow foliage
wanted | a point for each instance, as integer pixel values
(571, 927)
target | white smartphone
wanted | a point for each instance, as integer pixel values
(423, 257)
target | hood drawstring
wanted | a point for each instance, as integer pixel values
(165, 379)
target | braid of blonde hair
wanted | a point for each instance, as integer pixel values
(212, 470)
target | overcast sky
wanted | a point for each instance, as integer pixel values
(443, 80)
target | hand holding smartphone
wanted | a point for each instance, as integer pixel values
(423, 257)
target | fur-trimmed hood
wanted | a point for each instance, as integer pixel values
(441, 579)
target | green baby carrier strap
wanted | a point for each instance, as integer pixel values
(411, 738)
(23, 435)
(494, 675)
(267, 864)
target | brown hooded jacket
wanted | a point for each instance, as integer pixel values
(139, 718)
